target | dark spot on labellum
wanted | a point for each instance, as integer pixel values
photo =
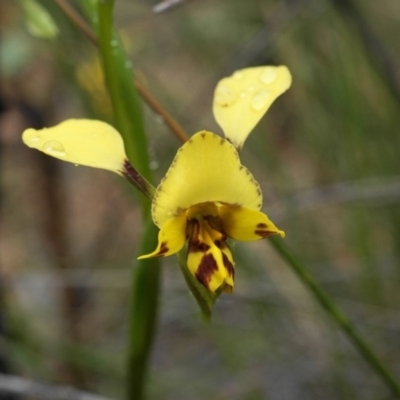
(197, 246)
(206, 269)
(220, 243)
(228, 265)
(261, 225)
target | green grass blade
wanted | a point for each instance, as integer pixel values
(337, 314)
(129, 121)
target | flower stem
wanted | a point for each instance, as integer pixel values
(129, 120)
(337, 314)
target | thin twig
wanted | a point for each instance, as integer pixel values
(84, 27)
(12, 384)
(77, 20)
(167, 5)
(371, 190)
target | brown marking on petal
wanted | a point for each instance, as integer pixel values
(215, 222)
(163, 249)
(228, 265)
(263, 233)
(222, 141)
(261, 225)
(203, 135)
(197, 246)
(220, 243)
(206, 269)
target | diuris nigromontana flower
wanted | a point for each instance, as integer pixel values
(207, 195)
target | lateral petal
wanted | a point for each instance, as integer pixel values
(246, 225)
(206, 169)
(171, 238)
(80, 141)
(241, 100)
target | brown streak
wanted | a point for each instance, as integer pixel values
(206, 269)
(151, 101)
(263, 233)
(228, 265)
(163, 249)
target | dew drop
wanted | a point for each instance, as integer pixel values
(268, 75)
(225, 96)
(35, 138)
(54, 148)
(31, 135)
(260, 99)
(153, 165)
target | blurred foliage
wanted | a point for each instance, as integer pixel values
(326, 156)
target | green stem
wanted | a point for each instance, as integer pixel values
(129, 120)
(337, 314)
(204, 298)
(143, 314)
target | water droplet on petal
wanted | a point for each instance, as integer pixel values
(225, 96)
(238, 75)
(54, 148)
(153, 165)
(35, 138)
(31, 135)
(268, 75)
(260, 99)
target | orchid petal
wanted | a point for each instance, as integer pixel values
(206, 169)
(241, 100)
(80, 141)
(246, 225)
(209, 258)
(171, 238)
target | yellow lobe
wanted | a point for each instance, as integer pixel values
(241, 100)
(209, 258)
(80, 141)
(171, 238)
(206, 169)
(246, 225)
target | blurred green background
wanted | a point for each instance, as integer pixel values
(327, 157)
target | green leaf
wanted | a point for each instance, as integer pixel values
(38, 21)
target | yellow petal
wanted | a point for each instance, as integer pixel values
(80, 141)
(171, 238)
(243, 224)
(210, 263)
(206, 169)
(242, 99)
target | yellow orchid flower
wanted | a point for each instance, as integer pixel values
(207, 195)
